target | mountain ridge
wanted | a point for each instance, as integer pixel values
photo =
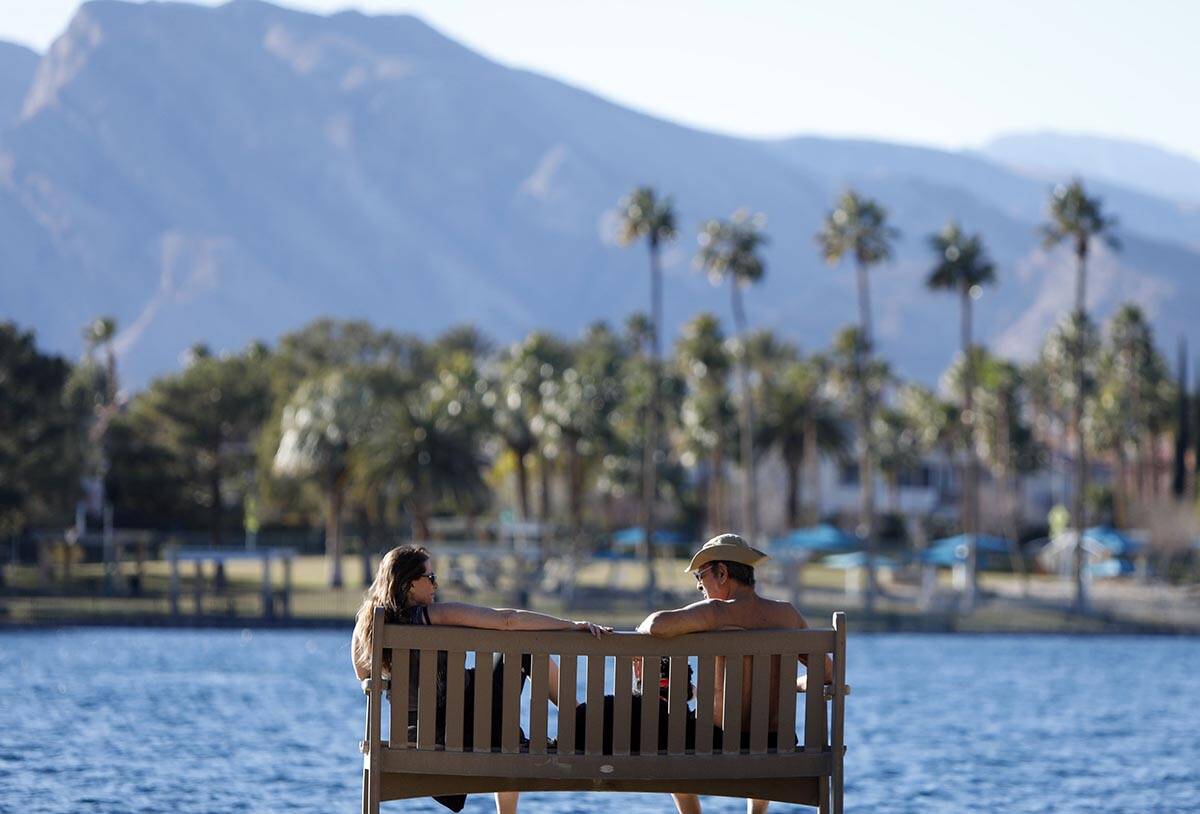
(274, 166)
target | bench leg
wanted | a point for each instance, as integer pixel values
(823, 795)
(370, 792)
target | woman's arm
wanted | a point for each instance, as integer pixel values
(463, 615)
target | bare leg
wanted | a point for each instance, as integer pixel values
(686, 803)
(757, 806)
(506, 802)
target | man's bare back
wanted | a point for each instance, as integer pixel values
(724, 571)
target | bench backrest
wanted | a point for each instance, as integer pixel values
(822, 732)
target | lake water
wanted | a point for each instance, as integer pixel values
(110, 721)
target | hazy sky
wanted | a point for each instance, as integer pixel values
(947, 73)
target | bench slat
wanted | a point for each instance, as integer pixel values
(427, 700)
(567, 700)
(787, 702)
(483, 701)
(594, 744)
(760, 704)
(814, 704)
(622, 704)
(663, 767)
(539, 694)
(677, 705)
(731, 724)
(706, 667)
(510, 718)
(749, 642)
(375, 714)
(650, 669)
(455, 676)
(399, 703)
(839, 713)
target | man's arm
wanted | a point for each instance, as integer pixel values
(697, 617)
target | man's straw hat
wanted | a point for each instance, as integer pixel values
(728, 548)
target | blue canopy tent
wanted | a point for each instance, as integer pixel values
(858, 559)
(820, 539)
(951, 551)
(1117, 543)
(628, 539)
(1112, 567)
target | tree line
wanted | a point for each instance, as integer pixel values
(342, 421)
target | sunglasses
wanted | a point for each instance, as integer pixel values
(699, 575)
(432, 577)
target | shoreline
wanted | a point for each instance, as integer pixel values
(880, 624)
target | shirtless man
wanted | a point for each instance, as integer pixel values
(724, 572)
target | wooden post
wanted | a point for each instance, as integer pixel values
(173, 557)
(198, 587)
(286, 611)
(267, 598)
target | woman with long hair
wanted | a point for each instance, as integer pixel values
(405, 588)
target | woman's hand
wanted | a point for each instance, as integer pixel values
(594, 629)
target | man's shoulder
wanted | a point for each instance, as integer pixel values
(781, 613)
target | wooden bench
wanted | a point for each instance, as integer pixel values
(753, 763)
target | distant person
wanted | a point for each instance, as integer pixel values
(404, 587)
(724, 572)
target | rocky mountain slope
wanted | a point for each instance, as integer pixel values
(224, 174)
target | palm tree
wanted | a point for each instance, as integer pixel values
(857, 228)
(101, 333)
(703, 362)
(898, 442)
(1133, 382)
(798, 420)
(1077, 219)
(532, 366)
(644, 215)
(729, 250)
(321, 424)
(963, 267)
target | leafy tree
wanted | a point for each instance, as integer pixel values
(529, 368)
(963, 268)
(209, 416)
(857, 228)
(40, 448)
(704, 365)
(645, 216)
(799, 421)
(322, 423)
(97, 385)
(579, 404)
(426, 445)
(898, 443)
(731, 251)
(1132, 402)
(1078, 219)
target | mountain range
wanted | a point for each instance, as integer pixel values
(224, 174)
